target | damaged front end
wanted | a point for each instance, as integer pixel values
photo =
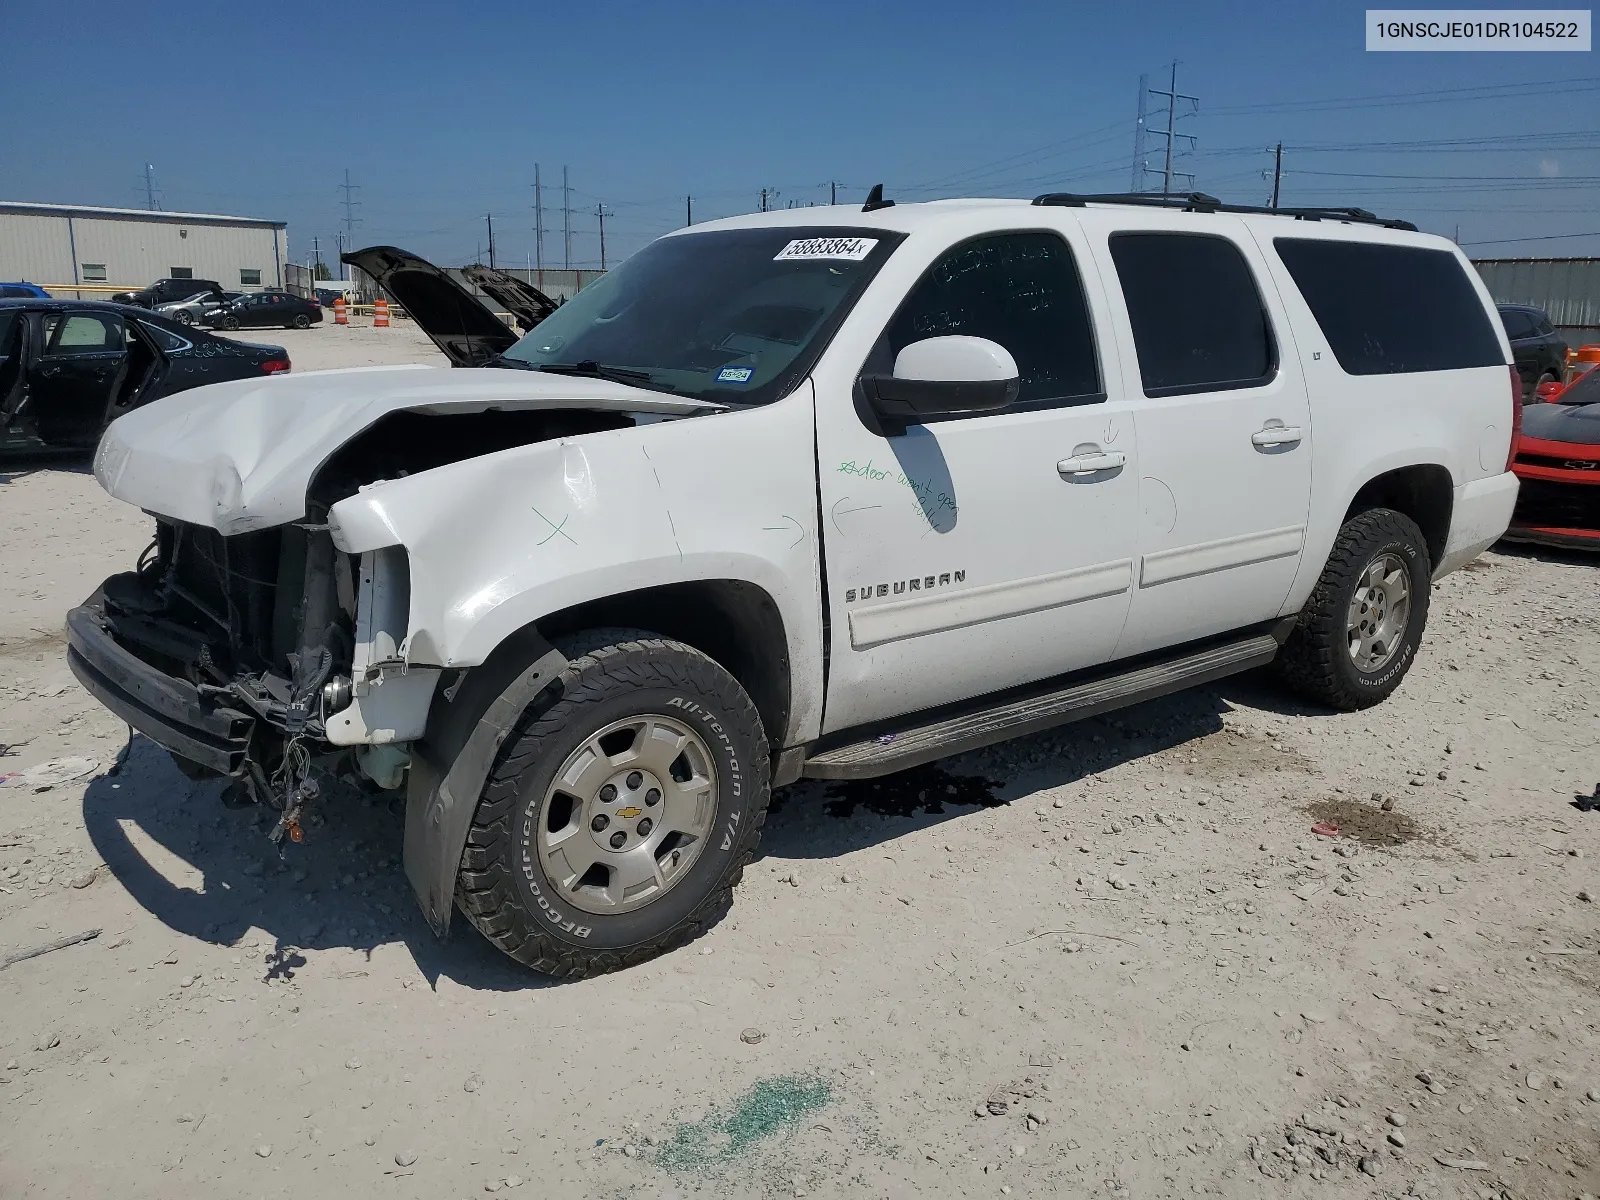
(240, 655)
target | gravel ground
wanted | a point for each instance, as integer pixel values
(1110, 961)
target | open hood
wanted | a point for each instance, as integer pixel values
(457, 321)
(240, 456)
(526, 303)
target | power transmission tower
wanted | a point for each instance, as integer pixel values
(350, 202)
(538, 219)
(1170, 132)
(600, 211)
(1138, 134)
(150, 187)
(566, 221)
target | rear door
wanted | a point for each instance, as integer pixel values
(1223, 424)
(14, 331)
(71, 382)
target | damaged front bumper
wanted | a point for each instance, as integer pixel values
(169, 711)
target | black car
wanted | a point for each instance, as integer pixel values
(261, 309)
(166, 291)
(1540, 354)
(70, 367)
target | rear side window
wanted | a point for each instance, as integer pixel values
(1392, 310)
(1518, 324)
(1021, 290)
(1198, 321)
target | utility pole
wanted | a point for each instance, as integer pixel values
(538, 220)
(1277, 172)
(489, 217)
(566, 221)
(1170, 132)
(149, 187)
(600, 211)
(763, 199)
(833, 192)
(316, 259)
(1138, 134)
(688, 210)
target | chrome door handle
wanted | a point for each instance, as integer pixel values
(1276, 435)
(1088, 464)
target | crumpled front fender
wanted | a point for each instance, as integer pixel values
(495, 543)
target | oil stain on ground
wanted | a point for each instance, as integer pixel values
(1367, 823)
(924, 790)
(774, 1106)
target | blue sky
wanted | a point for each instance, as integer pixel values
(440, 112)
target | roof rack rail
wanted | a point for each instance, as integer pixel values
(1200, 202)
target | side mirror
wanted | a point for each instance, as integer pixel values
(943, 376)
(1548, 391)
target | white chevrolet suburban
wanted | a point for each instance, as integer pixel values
(824, 494)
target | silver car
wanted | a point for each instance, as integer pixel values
(189, 311)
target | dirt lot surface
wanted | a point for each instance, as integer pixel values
(1112, 961)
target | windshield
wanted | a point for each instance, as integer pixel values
(736, 316)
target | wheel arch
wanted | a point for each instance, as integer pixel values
(735, 623)
(1424, 492)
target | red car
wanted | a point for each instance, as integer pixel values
(1558, 461)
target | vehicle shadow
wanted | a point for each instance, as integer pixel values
(18, 462)
(819, 820)
(211, 873)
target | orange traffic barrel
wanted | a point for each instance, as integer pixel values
(1585, 358)
(380, 314)
(341, 314)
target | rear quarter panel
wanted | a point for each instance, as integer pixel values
(1366, 425)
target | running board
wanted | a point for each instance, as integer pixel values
(918, 744)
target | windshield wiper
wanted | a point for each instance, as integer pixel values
(596, 370)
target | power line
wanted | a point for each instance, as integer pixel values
(1549, 237)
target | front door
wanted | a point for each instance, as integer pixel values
(13, 367)
(80, 364)
(1224, 428)
(966, 556)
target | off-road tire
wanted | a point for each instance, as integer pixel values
(612, 674)
(1315, 660)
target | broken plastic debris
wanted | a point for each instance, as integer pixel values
(883, 739)
(1325, 829)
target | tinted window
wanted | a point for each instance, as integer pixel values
(1518, 324)
(164, 338)
(80, 333)
(1021, 290)
(183, 272)
(250, 277)
(1198, 321)
(1389, 310)
(11, 292)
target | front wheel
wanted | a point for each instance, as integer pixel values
(231, 324)
(1359, 632)
(619, 816)
(185, 317)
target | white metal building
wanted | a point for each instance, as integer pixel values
(73, 250)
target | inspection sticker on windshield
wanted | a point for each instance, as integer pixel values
(852, 249)
(735, 374)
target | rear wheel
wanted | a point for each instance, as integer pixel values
(1359, 632)
(302, 321)
(619, 816)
